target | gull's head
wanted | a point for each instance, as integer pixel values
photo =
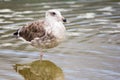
(54, 15)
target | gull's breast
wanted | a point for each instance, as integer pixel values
(55, 34)
(46, 42)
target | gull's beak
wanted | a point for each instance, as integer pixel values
(64, 20)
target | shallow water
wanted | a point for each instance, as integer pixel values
(91, 51)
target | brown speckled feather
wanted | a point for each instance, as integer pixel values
(33, 30)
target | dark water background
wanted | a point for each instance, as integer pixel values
(91, 51)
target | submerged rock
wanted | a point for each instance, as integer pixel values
(44, 70)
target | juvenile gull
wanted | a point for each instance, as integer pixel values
(44, 34)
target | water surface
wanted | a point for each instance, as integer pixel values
(91, 50)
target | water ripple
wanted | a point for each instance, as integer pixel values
(91, 50)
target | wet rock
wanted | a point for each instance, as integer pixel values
(44, 70)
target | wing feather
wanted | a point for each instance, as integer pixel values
(33, 30)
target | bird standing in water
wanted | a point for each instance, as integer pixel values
(44, 34)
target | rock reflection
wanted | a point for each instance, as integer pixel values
(36, 70)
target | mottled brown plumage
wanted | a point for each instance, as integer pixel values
(33, 30)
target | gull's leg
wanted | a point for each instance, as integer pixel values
(41, 55)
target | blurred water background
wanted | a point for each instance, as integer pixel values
(91, 51)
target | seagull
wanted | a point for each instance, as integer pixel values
(44, 34)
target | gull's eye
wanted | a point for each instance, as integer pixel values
(53, 13)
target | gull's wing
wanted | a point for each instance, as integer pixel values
(31, 31)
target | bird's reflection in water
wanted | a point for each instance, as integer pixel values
(44, 70)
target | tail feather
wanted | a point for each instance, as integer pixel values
(16, 34)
